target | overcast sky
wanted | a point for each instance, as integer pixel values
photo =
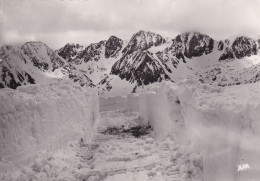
(57, 22)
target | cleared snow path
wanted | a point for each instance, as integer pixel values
(121, 149)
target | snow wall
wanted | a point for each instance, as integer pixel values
(128, 103)
(221, 127)
(37, 118)
(111, 103)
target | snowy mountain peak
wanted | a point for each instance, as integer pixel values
(41, 56)
(69, 51)
(241, 47)
(12, 68)
(146, 58)
(35, 62)
(244, 46)
(144, 69)
(113, 46)
(195, 44)
(91, 53)
(143, 40)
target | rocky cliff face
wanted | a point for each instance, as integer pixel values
(244, 47)
(137, 63)
(141, 41)
(195, 44)
(113, 46)
(94, 52)
(240, 48)
(69, 51)
(11, 68)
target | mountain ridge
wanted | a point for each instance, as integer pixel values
(146, 58)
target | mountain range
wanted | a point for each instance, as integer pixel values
(128, 65)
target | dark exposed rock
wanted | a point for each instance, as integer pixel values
(240, 48)
(195, 44)
(244, 47)
(227, 42)
(227, 55)
(172, 54)
(69, 51)
(7, 75)
(92, 52)
(75, 53)
(137, 64)
(144, 69)
(113, 46)
(34, 51)
(220, 46)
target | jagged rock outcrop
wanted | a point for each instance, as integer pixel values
(41, 56)
(12, 68)
(227, 55)
(113, 46)
(172, 54)
(221, 45)
(92, 52)
(144, 69)
(240, 48)
(195, 44)
(69, 51)
(75, 53)
(143, 40)
(138, 64)
(244, 47)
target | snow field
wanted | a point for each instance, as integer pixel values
(36, 119)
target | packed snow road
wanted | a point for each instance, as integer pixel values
(121, 149)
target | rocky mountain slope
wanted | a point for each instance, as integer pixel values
(35, 62)
(146, 58)
(137, 62)
(96, 59)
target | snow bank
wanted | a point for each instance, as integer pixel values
(111, 103)
(37, 118)
(132, 103)
(154, 110)
(129, 103)
(222, 123)
(161, 109)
